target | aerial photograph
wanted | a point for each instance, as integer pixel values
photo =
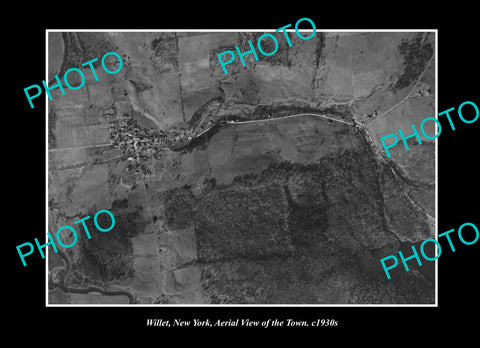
(262, 181)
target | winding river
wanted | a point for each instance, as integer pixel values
(63, 287)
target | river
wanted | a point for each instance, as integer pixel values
(63, 287)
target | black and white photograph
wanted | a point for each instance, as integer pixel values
(267, 184)
(228, 170)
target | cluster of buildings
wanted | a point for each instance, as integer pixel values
(138, 144)
(423, 89)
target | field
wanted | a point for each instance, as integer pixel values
(222, 191)
(56, 49)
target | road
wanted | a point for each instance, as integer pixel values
(418, 207)
(274, 119)
(406, 98)
(290, 116)
(80, 147)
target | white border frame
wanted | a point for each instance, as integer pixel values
(434, 305)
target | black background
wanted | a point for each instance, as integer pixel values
(458, 179)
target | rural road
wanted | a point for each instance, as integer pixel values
(290, 116)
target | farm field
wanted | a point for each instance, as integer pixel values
(268, 185)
